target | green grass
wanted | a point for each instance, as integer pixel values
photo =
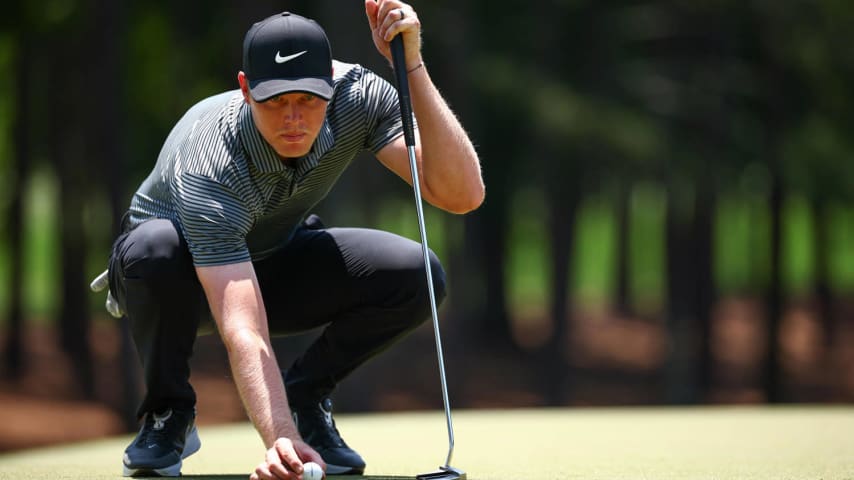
(750, 443)
(527, 270)
(841, 239)
(595, 251)
(646, 247)
(401, 218)
(41, 245)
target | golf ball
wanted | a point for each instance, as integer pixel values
(311, 471)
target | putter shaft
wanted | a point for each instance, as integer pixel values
(426, 252)
(398, 59)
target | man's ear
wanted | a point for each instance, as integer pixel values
(244, 86)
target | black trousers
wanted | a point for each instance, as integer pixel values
(367, 287)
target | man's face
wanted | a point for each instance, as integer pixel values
(289, 122)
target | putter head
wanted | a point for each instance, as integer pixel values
(444, 473)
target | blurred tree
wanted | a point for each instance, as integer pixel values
(774, 299)
(622, 295)
(109, 131)
(682, 57)
(15, 359)
(574, 98)
(561, 165)
(814, 155)
(778, 106)
(496, 129)
(692, 57)
(70, 116)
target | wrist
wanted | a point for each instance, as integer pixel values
(415, 63)
(288, 429)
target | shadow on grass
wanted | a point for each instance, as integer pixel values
(328, 477)
(219, 476)
(368, 477)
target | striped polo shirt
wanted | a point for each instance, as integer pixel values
(228, 191)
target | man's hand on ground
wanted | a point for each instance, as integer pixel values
(284, 461)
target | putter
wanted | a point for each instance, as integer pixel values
(446, 472)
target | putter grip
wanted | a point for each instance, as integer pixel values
(398, 59)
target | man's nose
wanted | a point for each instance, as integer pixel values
(291, 112)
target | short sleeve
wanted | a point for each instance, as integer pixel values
(382, 110)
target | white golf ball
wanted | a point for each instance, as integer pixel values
(311, 471)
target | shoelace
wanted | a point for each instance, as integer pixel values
(331, 432)
(328, 436)
(156, 431)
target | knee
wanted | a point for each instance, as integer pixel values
(416, 284)
(438, 274)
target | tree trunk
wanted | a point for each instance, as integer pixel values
(70, 155)
(493, 326)
(556, 376)
(112, 157)
(74, 321)
(455, 48)
(706, 294)
(691, 292)
(680, 380)
(14, 347)
(821, 259)
(774, 294)
(623, 301)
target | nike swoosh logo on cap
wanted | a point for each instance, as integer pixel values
(281, 59)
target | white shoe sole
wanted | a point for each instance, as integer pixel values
(342, 470)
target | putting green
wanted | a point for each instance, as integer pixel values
(596, 443)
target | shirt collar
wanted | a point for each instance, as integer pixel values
(322, 144)
(265, 157)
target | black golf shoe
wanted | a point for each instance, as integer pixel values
(317, 428)
(164, 440)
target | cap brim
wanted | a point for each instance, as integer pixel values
(266, 89)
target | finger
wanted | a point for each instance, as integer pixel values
(393, 30)
(279, 471)
(286, 452)
(274, 465)
(387, 6)
(308, 454)
(385, 11)
(371, 10)
(397, 20)
(262, 472)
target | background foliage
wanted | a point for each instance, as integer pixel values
(670, 186)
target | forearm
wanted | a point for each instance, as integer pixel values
(449, 168)
(259, 383)
(236, 303)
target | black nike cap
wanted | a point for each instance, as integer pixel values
(287, 53)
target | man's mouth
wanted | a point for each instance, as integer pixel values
(292, 136)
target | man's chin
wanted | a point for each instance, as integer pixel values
(292, 153)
